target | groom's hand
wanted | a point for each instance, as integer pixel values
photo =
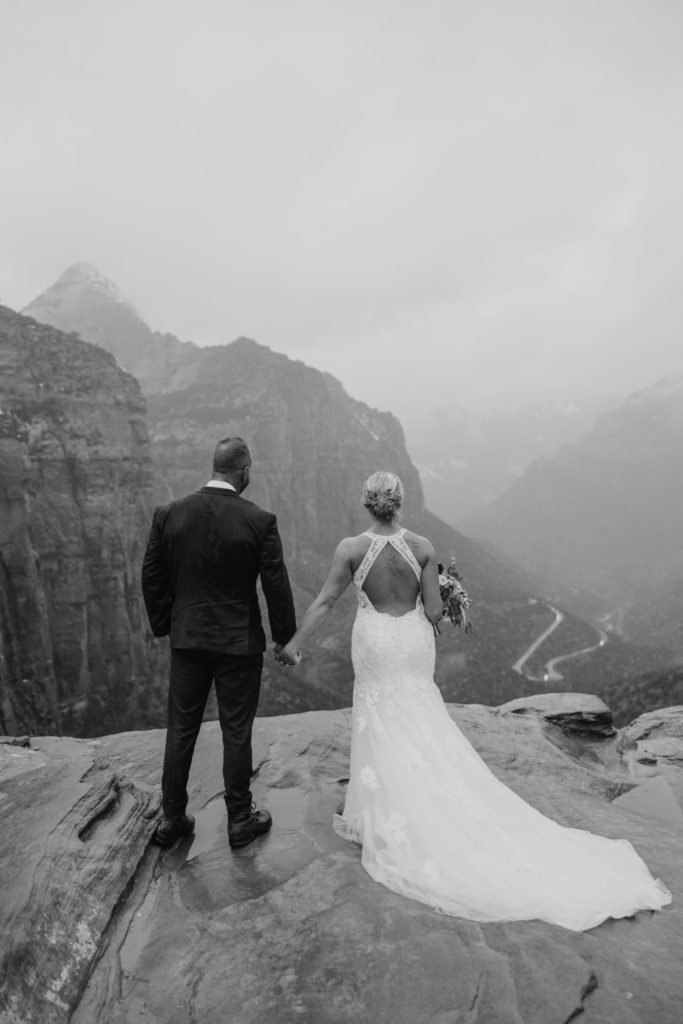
(286, 655)
(281, 658)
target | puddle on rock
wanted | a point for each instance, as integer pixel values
(209, 875)
(200, 876)
(209, 828)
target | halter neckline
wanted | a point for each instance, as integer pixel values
(373, 534)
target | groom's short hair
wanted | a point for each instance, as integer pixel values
(231, 455)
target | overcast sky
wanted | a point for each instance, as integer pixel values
(476, 202)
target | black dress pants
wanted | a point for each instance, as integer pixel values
(238, 681)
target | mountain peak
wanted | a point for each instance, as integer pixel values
(78, 287)
(85, 275)
(82, 271)
(85, 301)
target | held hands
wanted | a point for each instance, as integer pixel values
(287, 655)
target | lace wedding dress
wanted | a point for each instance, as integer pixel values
(435, 824)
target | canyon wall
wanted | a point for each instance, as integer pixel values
(75, 500)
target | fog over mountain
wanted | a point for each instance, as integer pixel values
(442, 204)
(468, 458)
(606, 514)
(465, 459)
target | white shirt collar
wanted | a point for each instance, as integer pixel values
(221, 483)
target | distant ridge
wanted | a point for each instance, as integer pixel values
(606, 513)
(468, 458)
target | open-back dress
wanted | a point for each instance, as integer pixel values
(434, 823)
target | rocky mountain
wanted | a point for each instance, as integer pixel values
(85, 302)
(75, 499)
(468, 458)
(606, 514)
(98, 925)
(313, 448)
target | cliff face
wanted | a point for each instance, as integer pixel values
(313, 448)
(75, 498)
(313, 445)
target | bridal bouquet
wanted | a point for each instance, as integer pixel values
(456, 600)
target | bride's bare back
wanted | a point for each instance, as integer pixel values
(391, 583)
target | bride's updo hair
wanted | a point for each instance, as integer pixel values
(383, 496)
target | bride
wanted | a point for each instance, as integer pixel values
(434, 823)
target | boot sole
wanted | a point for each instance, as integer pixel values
(165, 843)
(245, 840)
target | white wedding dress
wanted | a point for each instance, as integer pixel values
(435, 824)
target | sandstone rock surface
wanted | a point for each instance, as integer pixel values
(572, 712)
(291, 928)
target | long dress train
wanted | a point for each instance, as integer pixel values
(435, 824)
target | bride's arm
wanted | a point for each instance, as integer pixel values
(429, 581)
(337, 581)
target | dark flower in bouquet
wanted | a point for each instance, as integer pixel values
(456, 600)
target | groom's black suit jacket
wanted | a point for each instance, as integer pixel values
(204, 555)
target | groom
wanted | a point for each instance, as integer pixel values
(204, 555)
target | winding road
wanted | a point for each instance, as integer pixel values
(550, 673)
